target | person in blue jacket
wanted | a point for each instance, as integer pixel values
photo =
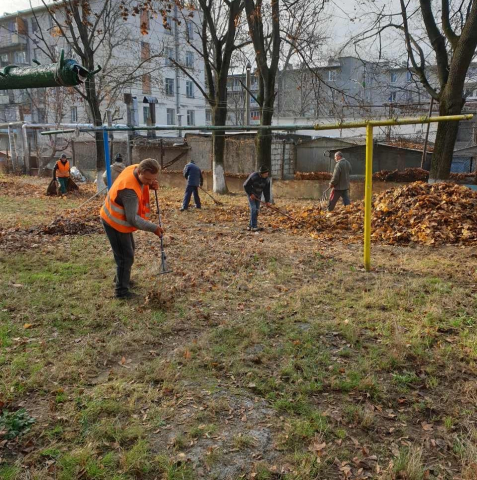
(194, 179)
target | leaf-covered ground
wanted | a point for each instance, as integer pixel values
(266, 356)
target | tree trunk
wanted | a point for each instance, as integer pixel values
(445, 138)
(218, 151)
(263, 140)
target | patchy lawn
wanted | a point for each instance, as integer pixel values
(261, 356)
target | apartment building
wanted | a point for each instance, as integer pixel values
(139, 82)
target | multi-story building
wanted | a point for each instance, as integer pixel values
(139, 83)
(348, 89)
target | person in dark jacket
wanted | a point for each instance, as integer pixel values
(194, 179)
(340, 182)
(257, 184)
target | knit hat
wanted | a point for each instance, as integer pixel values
(264, 169)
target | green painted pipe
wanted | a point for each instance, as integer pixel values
(65, 73)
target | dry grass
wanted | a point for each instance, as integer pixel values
(270, 355)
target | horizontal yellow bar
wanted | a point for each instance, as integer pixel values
(402, 121)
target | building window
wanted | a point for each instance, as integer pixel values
(19, 57)
(167, 22)
(146, 83)
(190, 117)
(4, 59)
(409, 76)
(144, 22)
(171, 113)
(208, 115)
(393, 97)
(170, 87)
(169, 54)
(393, 77)
(34, 25)
(147, 115)
(190, 29)
(189, 59)
(190, 89)
(41, 115)
(331, 75)
(255, 115)
(74, 114)
(145, 51)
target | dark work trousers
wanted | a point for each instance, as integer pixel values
(123, 250)
(335, 196)
(191, 189)
(63, 184)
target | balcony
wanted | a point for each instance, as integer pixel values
(13, 41)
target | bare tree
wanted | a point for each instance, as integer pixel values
(450, 30)
(219, 27)
(267, 55)
(96, 33)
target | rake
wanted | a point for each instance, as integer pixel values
(324, 199)
(281, 212)
(207, 193)
(164, 268)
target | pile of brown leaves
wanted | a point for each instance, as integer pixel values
(462, 176)
(312, 176)
(74, 222)
(407, 175)
(435, 214)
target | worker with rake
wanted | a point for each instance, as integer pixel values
(340, 182)
(257, 184)
(195, 180)
(125, 210)
(61, 172)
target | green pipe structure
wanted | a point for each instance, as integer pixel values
(64, 73)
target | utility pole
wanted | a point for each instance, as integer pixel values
(247, 95)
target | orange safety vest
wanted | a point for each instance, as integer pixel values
(63, 170)
(113, 213)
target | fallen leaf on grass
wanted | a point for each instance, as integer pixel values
(26, 326)
(427, 426)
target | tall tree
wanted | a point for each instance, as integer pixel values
(267, 56)
(95, 32)
(218, 28)
(450, 29)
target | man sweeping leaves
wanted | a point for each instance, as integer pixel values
(256, 184)
(125, 210)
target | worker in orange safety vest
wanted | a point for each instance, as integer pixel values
(125, 210)
(61, 171)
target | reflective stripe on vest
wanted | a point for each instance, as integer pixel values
(113, 213)
(63, 170)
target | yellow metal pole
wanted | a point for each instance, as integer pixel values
(368, 192)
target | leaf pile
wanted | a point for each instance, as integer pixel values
(435, 214)
(82, 221)
(312, 176)
(407, 175)
(462, 176)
